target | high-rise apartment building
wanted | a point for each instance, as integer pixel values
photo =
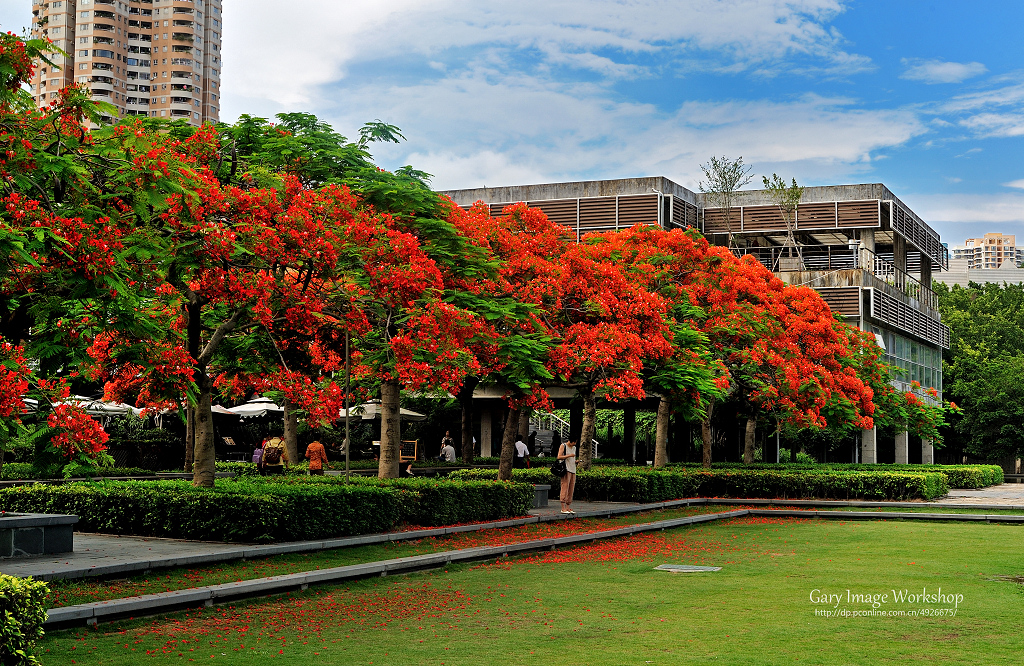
(157, 58)
(992, 251)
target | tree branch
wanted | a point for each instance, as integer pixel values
(218, 336)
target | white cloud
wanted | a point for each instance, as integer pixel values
(479, 129)
(1018, 184)
(1012, 94)
(285, 56)
(996, 124)
(970, 208)
(939, 71)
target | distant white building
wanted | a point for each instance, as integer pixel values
(962, 274)
(990, 252)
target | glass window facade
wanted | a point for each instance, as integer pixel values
(913, 361)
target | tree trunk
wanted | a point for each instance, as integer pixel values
(748, 440)
(291, 432)
(586, 443)
(508, 445)
(661, 437)
(190, 437)
(705, 432)
(390, 430)
(792, 452)
(204, 469)
(466, 400)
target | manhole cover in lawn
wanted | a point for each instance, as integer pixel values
(684, 568)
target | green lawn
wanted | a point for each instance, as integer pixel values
(70, 592)
(603, 604)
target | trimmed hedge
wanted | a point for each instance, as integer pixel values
(232, 511)
(441, 501)
(26, 471)
(960, 476)
(272, 508)
(639, 484)
(22, 613)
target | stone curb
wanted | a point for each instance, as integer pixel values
(151, 604)
(166, 601)
(254, 551)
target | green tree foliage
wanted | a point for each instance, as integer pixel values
(984, 366)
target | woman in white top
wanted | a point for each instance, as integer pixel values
(567, 452)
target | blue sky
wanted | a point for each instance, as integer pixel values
(926, 97)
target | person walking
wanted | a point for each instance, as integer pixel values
(521, 460)
(567, 452)
(275, 457)
(317, 458)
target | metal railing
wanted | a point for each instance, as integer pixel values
(541, 421)
(843, 257)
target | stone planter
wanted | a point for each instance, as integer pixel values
(28, 534)
(540, 496)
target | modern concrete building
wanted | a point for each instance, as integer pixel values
(865, 251)
(157, 58)
(994, 250)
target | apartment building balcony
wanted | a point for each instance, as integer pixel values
(183, 36)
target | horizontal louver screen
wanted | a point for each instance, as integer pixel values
(638, 210)
(858, 213)
(559, 211)
(816, 216)
(844, 300)
(597, 214)
(900, 315)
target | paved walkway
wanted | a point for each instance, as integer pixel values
(1006, 493)
(107, 555)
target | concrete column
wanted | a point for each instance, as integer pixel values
(902, 447)
(629, 431)
(486, 429)
(576, 419)
(524, 424)
(926, 270)
(899, 252)
(867, 246)
(927, 452)
(869, 446)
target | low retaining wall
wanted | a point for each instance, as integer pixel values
(28, 534)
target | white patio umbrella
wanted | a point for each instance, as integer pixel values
(101, 407)
(369, 411)
(257, 407)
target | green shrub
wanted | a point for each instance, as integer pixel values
(442, 501)
(248, 511)
(265, 509)
(960, 476)
(26, 471)
(645, 484)
(22, 613)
